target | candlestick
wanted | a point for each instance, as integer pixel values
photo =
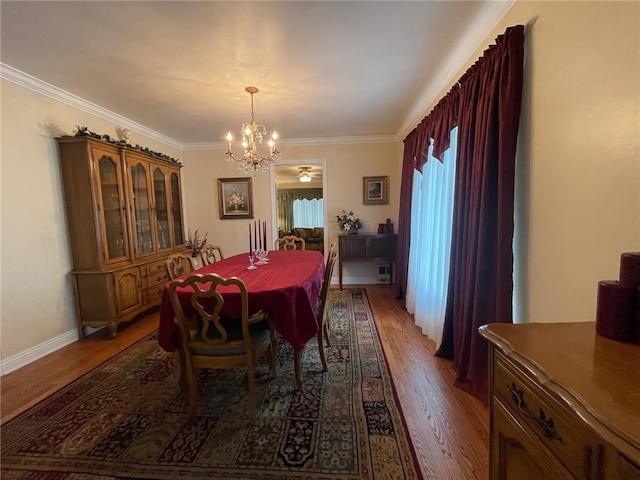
(255, 235)
(250, 245)
(259, 234)
(264, 233)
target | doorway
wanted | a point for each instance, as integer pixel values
(286, 175)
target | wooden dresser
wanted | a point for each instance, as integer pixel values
(564, 403)
(365, 247)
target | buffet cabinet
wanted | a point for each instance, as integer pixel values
(564, 403)
(364, 247)
(124, 215)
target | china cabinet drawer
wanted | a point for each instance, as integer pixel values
(155, 267)
(152, 295)
(555, 426)
(153, 279)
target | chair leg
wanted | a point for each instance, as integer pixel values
(325, 327)
(321, 348)
(297, 360)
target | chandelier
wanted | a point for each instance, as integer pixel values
(252, 134)
(304, 177)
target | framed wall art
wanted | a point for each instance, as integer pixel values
(235, 198)
(375, 190)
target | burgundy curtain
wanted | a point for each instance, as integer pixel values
(480, 279)
(404, 220)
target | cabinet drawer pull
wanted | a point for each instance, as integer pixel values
(545, 423)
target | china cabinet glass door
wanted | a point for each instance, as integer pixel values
(113, 217)
(142, 202)
(163, 233)
(176, 209)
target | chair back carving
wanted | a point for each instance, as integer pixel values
(178, 264)
(211, 253)
(290, 242)
(211, 340)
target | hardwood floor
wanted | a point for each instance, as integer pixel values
(449, 428)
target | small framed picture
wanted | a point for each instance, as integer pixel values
(235, 198)
(375, 190)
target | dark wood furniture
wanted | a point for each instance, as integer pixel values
(364, 247)
(124, 212)
(564, 403)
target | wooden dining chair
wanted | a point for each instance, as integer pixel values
(290, 242)
(220, 342)
(321, 315)
(211, 253)
(178, 264)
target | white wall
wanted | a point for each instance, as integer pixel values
(36, 295)
(579, 155)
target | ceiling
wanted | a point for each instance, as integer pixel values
(328, 72)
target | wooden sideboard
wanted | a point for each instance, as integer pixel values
(564, 403)
(367, 247)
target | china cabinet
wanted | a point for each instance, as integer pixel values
(124, 212)
(564, 403)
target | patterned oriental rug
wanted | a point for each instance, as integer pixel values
(127, 418)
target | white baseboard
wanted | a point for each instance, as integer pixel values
(32, 354)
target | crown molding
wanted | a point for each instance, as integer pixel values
(472, 40)
(32, 83)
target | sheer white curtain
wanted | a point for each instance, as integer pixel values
(308, 213)
(431, 219)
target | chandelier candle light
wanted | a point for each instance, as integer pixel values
(252, 134)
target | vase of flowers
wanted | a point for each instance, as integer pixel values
(195, 244)
(349, 223)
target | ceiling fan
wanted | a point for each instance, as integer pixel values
(305, 174)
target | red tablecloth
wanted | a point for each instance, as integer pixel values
(288, 288)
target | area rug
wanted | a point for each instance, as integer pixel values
(127, 418)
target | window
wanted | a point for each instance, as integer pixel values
(431, 224)
(308, 213)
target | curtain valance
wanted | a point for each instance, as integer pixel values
(292, 194)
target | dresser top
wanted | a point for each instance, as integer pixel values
(599, 378)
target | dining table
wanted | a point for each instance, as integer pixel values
(288, 288)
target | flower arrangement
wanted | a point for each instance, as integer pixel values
(348, 222)
(236, 199)
(194, 243)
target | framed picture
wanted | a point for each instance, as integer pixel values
(375, 190)
(235, 198)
